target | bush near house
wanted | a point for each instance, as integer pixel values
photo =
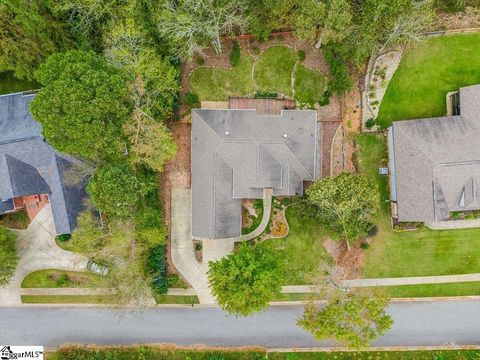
(8, 254)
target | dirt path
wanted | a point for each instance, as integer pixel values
(176, 173)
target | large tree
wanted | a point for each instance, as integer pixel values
(191, 25)
(8, 252)
(353, 320)
(83, 105)
(245, 281)
(28, 34)
(115, 190)
(346, 204)
(323, 22)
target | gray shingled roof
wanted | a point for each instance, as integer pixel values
(28, 165)
(436, 162)
(237, 153)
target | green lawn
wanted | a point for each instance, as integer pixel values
(170, 353)
(273, 73)
(16, 220)
(173, 299)
(60, 299)
(273, 69)
(219, 84)
(302, 250)
(427, 73)
(432, 290)
(9, 84)
(52, 278)
(309, 85)
(413, 253)
(380, 355)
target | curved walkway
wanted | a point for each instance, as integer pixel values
(267, 209)
(182, 253)
(37, 250)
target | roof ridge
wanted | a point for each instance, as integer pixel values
(415, 144)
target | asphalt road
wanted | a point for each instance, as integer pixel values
(416, 323)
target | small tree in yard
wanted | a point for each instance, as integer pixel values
(246, 281)
(352, 320)
(8, 253)
(346, 204)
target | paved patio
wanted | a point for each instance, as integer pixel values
(37, 250)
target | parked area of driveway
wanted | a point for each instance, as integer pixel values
(37, 250)
(416, 324)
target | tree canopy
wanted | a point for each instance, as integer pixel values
(115, 190)
(8, 253)
(352, 320)
(191, 25)
(82, 105)
(346, 204)
(245, 281)
(28, 35)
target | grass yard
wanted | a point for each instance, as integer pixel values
(60, 299)
(219, 84)
(172, 353)
(432, 290)
(16, 220)
(174, 299)
(427, 72)
(9, 84)
(302, 249)
(273, 73)
(273, 69)
(310, 85)
(413, 253)
(380, 355)
(52, 278)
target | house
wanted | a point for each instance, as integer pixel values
(238, 153)
(435, 163)
(32, 173)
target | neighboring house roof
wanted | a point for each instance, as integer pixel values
(28, 165)
(435, 162)
(237, 153)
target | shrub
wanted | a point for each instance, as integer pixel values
(341, 81)
(64, 237)
(191, 99)
(279, 229)
(265, 94)
(301, 54)
(255, 50)
(158, 269)
(364, 245)
(326, 97)
(9, 255)
(370, 123)
(62, 280)
(200, 60)
(235, 54)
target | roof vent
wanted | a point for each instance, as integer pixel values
(285, 136)
(227, 133)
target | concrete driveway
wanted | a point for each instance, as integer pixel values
(37, 250)
(183, 256)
